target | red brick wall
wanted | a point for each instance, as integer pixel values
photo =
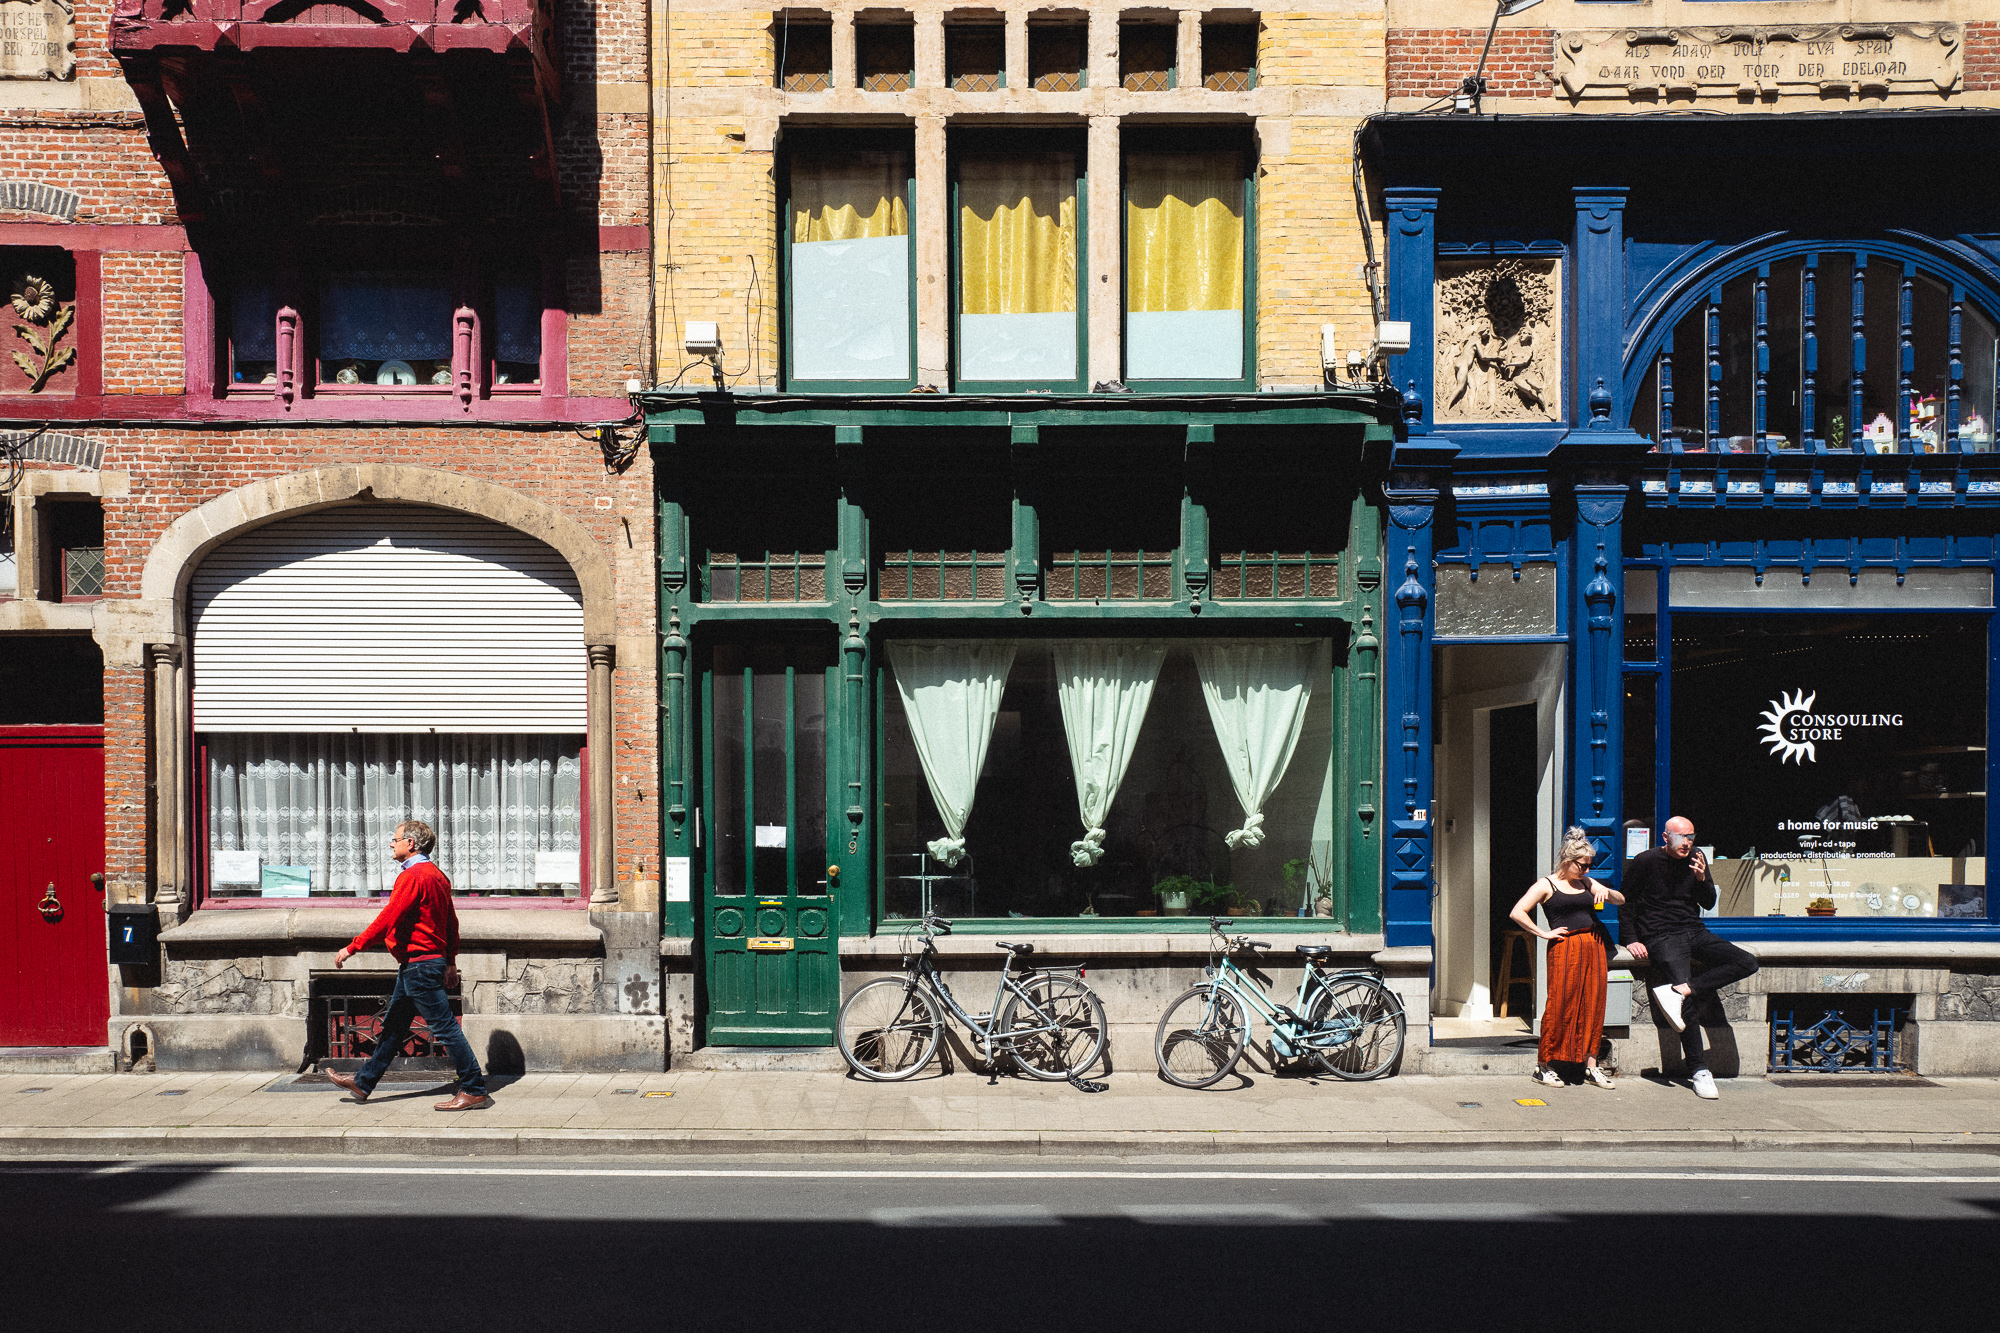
(142, 323)
(1982, 57)
(174, 470)
(102, 155)
(1432, 62)
(607, 326)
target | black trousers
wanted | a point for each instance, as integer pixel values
(1706, 963)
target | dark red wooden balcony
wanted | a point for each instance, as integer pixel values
(393, 25)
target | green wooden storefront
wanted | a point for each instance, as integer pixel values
(801, 537)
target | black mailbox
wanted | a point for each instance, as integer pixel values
(135, 933)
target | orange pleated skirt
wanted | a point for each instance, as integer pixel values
(1573, 1021)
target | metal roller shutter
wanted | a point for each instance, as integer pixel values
(387, 618)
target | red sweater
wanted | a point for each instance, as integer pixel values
(418, 920)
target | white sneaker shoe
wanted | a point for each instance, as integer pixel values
(1597, 1078)
(1704, 1084)
(1669, 1002)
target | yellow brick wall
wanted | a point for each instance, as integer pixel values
(1310, 255)
(716, 219)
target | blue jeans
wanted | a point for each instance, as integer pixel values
(420, 990)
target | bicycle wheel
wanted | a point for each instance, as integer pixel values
(1356, 1028)
(1200, 1037)
(1060, 1034)
(888, 1030)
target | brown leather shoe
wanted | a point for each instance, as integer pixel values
(463, 1101)
(340, 1080)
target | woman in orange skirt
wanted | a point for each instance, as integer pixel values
(1580, 952)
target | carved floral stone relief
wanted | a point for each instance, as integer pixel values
(1499, 340)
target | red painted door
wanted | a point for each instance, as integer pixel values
(54, 983)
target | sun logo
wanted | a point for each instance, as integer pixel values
(1788, 751)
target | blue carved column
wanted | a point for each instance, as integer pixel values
(1598, 323)
(1420, 469)
(1597, 594)
(1412, 225)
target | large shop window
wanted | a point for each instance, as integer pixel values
(850, 312)
(1019, 245)
(1185, 265)
(1099, 778)
(1797, 351)
(1837, 764)
(365, 665)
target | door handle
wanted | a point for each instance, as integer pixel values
(97, 881)
(50, 906)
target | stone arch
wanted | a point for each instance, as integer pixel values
(180, 549)
(161, 625)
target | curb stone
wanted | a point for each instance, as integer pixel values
(208, 1140)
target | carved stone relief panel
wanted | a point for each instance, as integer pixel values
(1754, 64)
(1499, 340)
(37, 39)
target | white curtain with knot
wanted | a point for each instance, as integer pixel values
(951, 694)
(1104, 687)
(1257, 695)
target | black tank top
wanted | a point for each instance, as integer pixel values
(1566, 908)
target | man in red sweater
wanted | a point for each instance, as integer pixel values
(420, 928)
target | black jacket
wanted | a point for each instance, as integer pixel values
(1663, 896)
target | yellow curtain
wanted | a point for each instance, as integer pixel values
(1017, 235)
(850, 197)
(1184, 232)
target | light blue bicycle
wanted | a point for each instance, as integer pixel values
(1346, 1020)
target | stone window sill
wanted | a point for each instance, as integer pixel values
(296, 927)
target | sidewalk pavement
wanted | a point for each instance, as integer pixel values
(710, 1112)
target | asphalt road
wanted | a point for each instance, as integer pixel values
(1684, 1240)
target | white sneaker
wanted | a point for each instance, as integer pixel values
(1669, 1002)
(1597, 1078)
(1704, 1084)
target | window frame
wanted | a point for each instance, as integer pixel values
(851, 140)
(1657, 675)
(1701, 297)
(296, 286)
(996, 144)
(1230, 138)
(201, 853)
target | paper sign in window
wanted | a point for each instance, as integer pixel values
(771, 835)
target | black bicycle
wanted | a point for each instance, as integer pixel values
(1047, 1020)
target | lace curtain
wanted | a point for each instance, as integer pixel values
(328, 804)
(1257, 695)
(1104, 687)
(951, 695)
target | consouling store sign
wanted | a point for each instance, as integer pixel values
(1835, 762)
(1794, 732)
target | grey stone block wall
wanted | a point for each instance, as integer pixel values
(1971, 997)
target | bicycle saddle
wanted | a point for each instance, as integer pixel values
(1018, 950)
(1315, 950)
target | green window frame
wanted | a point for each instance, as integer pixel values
(1015, 144)
(801, 145)
(1138, 143)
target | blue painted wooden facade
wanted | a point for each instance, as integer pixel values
(1651, 216)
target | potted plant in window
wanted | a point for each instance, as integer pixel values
(1173, 892)
(1820, 907)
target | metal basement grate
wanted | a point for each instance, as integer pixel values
(1836, 1043)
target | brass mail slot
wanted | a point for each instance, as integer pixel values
(771, 942)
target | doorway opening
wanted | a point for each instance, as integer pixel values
(1499, 811)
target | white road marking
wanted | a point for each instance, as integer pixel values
(1461, 1212)
(885, 1173)
(1219, 1214)
(966, 1215)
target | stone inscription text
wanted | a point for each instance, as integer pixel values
(1731, 62)
(37, 40)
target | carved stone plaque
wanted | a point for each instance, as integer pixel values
(1858, 59)
(1498, 355)
(37, 39)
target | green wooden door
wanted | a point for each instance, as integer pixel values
(773, 940)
